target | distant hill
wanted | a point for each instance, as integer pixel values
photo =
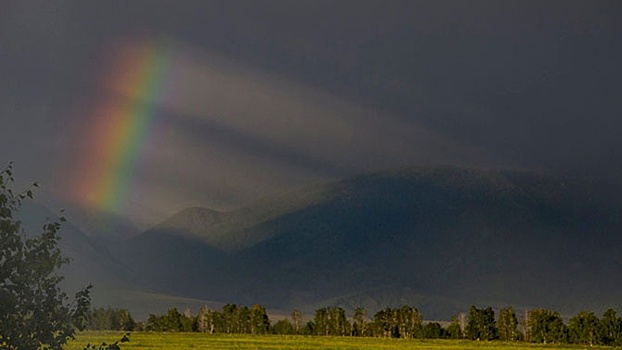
(238, 229)
(93, 263)
(438, 238)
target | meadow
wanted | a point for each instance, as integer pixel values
(174, 341)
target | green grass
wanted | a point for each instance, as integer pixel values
(170, 341)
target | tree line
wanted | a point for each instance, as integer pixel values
(479, 324)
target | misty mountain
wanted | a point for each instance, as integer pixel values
(438, 238)
(238, 229)
(92, 262)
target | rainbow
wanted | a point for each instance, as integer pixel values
(120, 125)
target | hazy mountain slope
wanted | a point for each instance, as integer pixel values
(178, 263)
(500, 237)
(438, 238)
(238, 229)
(91, 262)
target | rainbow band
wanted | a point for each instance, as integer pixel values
(121, 130)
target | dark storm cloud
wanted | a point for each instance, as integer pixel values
(523, 83)
(535, 81)
(259, 147)
(235, 127)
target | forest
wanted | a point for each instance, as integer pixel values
(540, 325)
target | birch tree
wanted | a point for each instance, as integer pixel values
(34, 311)
(507, 325)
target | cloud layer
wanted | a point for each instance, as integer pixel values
(261, 98)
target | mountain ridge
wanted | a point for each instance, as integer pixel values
(435, 234)
(225, 229)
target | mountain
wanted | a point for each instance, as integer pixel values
(237, 229)
(437, 238)
(92, 262)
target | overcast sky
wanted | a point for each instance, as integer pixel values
(262, 96)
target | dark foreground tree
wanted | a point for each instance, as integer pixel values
(34, 311)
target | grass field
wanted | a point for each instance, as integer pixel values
(171, 341)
